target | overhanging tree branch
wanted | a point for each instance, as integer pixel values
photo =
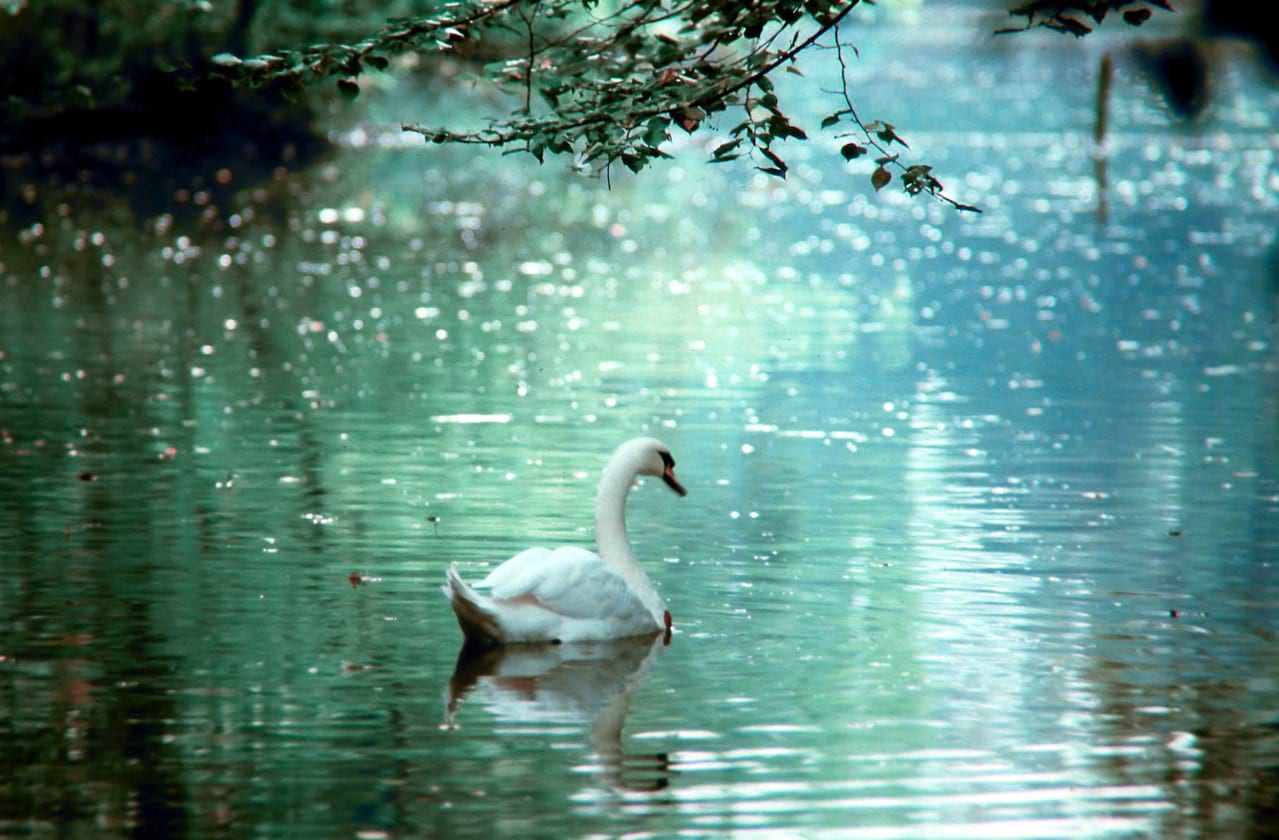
(605, 88)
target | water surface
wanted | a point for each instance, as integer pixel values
(982, 510)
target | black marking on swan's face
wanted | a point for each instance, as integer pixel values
(668, 473)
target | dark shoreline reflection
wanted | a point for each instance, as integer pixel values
(574, 683)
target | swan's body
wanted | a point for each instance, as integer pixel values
(571, 594)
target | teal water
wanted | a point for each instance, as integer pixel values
(982, 519)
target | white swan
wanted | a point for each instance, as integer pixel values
(571, 594)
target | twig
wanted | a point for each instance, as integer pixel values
(886, 156)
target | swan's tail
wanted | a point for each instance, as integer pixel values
(478, 626)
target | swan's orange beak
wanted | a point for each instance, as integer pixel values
(668, 475)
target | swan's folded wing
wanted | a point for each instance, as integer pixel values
(569, 581)
(517, 576)
(581, 585)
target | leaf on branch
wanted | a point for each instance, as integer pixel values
(348, 88)
(919, 178)
(81, 97)
(852, 151)
(828, 121)
(550, 96)
(888, 134)
(880, 178)
(1061, 15)
(689, 117)
(655, 132)
(652, 152)
(726, 151)
(780, 164)
(1068, 25)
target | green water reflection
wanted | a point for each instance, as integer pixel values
(979, 538)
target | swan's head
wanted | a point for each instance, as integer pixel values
(652, 457)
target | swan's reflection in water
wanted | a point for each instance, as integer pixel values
(574, 683)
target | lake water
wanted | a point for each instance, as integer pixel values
(983, 513)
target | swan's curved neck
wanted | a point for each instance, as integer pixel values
(610, 535)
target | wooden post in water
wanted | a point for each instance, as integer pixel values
(1105, 73)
